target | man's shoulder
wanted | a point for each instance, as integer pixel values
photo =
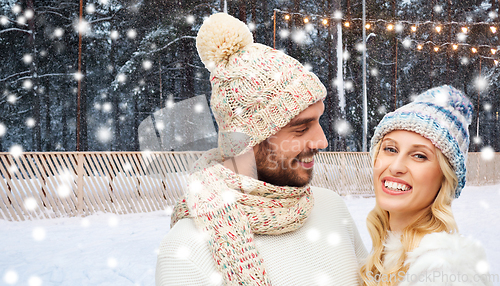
(326, 196)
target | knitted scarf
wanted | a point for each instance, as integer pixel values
(231, 208)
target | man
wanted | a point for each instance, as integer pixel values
(249, 216)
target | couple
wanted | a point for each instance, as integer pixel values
(250, 217)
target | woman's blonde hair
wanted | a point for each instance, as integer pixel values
(437, 218)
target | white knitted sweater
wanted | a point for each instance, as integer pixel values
(327, 250)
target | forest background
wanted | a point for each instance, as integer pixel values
(83, 75)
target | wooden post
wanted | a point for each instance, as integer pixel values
(79, 183)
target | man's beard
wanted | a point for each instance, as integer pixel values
(274, 169)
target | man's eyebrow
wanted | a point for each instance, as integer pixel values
(301, 121)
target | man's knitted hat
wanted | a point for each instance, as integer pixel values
(442, 115)
(256, 90)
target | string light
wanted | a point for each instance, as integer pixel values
(390, 26)
(496, 63)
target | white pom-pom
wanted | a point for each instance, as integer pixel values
(220, 36)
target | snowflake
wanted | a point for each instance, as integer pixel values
(3, 129)
(399, 27)
(216, 278)
(284, 33)
(147, 64)
(342, 127)
(360, 47)
(313, 235)
(39, 233)
(198, 108)
(493, 15)
(114, 35)
(482, 267)
(308, 67)
(43, 53)
(477, 139)
(4, 20)
(104, 2)
(190, 19)
(27, 59)
(438, 8)
(16, 151)
(346, 55)
(487, 153)
(251, 26)
(337, 15)
(461, 37)
(16, 9)
(113, 221)
(30, 122)
(30, 203)
(374, 72)
(183, 252)
(58, 32)
(78, 75)
(27, 84)
(309, 27)
(481, 83)
(90, 9)
(299, 36)
(35, 281)
(21, 20)
(160, 125)
(107, 107)
(464, 61)
(112, 262)
(10, 277)
(334, 239)
(103, 134)
(228, 197)
(63, 190)
(348, 85)
(121, 78)
(487, 106)
(407, 43)
(131, 33)
(82, 26)
(170, 103)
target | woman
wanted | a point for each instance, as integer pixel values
(419, 154)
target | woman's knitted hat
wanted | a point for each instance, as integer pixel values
(256, 90)
(442, 115)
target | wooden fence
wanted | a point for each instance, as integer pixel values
(59, 184)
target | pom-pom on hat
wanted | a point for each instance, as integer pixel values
(442, 115)
(256, 90)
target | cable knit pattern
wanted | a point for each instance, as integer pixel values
(256, 90)
(442, 115)
(231, 208)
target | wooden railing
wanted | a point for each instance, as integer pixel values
(59, 184)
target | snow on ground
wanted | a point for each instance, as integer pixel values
(107, 249)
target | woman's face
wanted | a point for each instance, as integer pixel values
(406, 174)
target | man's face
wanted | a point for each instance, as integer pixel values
(286, 159)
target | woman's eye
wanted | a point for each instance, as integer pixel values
(301, 130)
(421, 156)
(390, 149)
